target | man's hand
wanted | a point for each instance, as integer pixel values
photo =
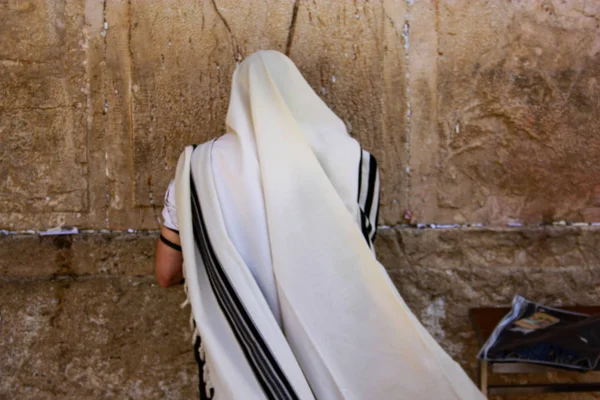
(168, 261)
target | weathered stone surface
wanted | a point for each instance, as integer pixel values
(44, 170)
(109, 254)
(441, 273)
(181, 71)
(94, 338)
(32, 255)
(181, 76)
(490, 248)
(28, 33)
(130, 254)
(516, 94)
(42, 113)
(490, 121)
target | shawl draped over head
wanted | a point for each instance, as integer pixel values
(287, 295)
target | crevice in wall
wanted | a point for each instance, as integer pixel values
(89, 120)
(130, 98)
(436, 5)
(105, 116)
(292, 28)
(406, 36)
(234, 46)
(151, 199)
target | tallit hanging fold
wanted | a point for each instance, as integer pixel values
(287, 295)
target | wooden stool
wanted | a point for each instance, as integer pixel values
(484, 321)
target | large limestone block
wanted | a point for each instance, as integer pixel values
(44, 168)
(43, 107)
(94, 338)
(490, 248)
(28, 256)
(514, 133)
(84, 254)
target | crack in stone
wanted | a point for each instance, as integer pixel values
(151, 199)
(586, 14)
(105, 116)
(130, 86)
(234, 47)
(406, 36)
(292, 28)
(131, 69)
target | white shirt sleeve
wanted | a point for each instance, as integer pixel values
(169, 212)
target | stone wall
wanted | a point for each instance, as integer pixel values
(481, 114)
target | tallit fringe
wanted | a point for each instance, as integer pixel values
(185, 303)
(196, 334)
(205, 369)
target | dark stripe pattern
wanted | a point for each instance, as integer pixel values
(368, 197)
(375, 225)
(371, 190)
(267, 371)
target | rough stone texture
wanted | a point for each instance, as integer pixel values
(181, 76)
(181, 71)
(100, 98)
(109, 254)
(488, 122)
(94, 338)
(42, 113)
(513, 133)
(441, 273)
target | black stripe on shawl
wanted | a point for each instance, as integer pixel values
(364, 221)
(371, 187)
(263, 364)
(368, 227)
(375, 224)
(374, 194)
(359, 176)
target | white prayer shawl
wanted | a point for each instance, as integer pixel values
(288, 298)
